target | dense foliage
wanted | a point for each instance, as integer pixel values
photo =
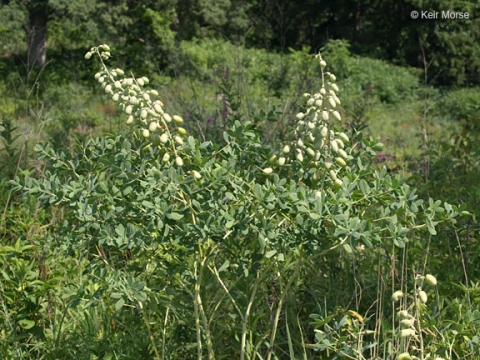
(156, 244)
(284, 213)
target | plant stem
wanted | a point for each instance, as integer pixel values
(149, 330)
(245, 319)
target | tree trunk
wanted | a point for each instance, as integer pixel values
(37, 34)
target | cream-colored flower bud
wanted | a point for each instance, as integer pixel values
(336, 115)
(164, 138)
(397, 295)
(332, 102)
(432, 280)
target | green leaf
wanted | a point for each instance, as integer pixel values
(119, 304)
(225, 266)
(347, 248)
(174, 216)
(270, 253)
(364, 188)
(26, 324)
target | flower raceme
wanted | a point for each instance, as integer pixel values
(318, 145)
(143, 107)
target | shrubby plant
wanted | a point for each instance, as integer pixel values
(187, 234)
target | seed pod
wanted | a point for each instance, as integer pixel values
(272, 159)
(88, 55)
(407, 323)
(333, 78)
(337, 116)
(178, 140)
(431, 279)
(153, 126)
(196, 174)
(166, 157)
(130, 120)
(338, 182)
(182, 131)
(422, 295)
(340, 143)
(344, 137)
(146, 97)
(143, 114)
(334, 87)
(167, 117)
(404, 356)
(146, 133)
(153, 92)
(397, 295)
(300, 116)
(140, 82)
(286, 149)
(177, 119)
(281, 161)
(179, 161)
(340, 161)
(404, 333)
(332, 102)
(267, 171)
(164, 138)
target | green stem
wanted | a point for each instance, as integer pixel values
(245, 320)
(284, 293)
(149, 330)
(200, 313)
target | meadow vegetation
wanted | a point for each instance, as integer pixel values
(237, 203)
